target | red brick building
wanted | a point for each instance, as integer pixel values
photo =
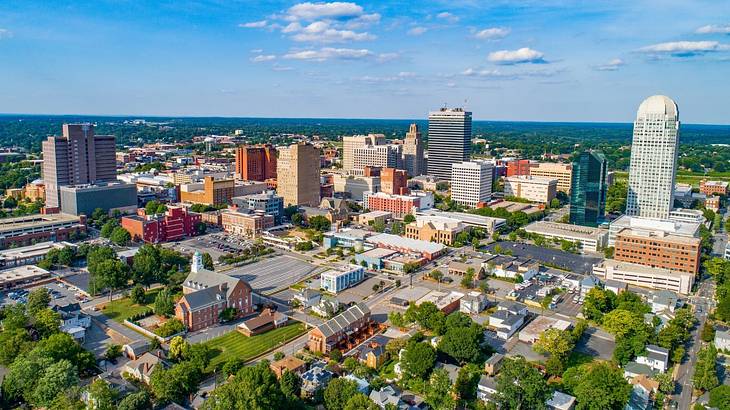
(518, 167)
(176, 223)
(344, 330)
(207, 293)
(658, 250)
(256, 162)
(710, 188)
(394, 181)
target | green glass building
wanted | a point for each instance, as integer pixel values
(588, 189)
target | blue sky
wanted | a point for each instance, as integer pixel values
(550, 60)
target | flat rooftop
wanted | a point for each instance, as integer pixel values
(378, 253)
(32, 250)
(21, 274)
(30, 221)
(560, 229)
(401, 242)
(668, 226)
(465, 218)
(641, 269)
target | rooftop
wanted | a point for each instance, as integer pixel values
(30, 221)
(642, 269)
(21, 273)
(405, 243)
(560, 229)
(342, 321)
(674, 227)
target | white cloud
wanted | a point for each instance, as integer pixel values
(321, 32)
(278, 67)
(448, 17)
(521, 56)
(257, 50)
(612, 65)
(316, 11)
(417, 31)
(292, 27)
(261, 58)
(385, 57)
(685, 48)
(328, 53)
(514, 75)
(5, 33)
(493, 33)
(714, 29)
(254, 24)
(406, 74)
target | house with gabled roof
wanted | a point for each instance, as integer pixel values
(340, 329)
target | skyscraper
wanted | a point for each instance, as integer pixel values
(350, 143)
(653, 165)
(449, 140)
(588, 189)
(471, 182)
(298, 174)
(413, 152)
(75, 158)
(256, 163)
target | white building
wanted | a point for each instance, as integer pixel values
(645, 276)
(590, 239)
(337, 280)
(673, 227)
(722, 340)
(656, 357)
(535, 189)
(350, 143)
(383, 156)
(653, 165)
(473, 303)
(471, 182)
(508, 318)
(687, 215)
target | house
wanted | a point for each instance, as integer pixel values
(342, 330)
(289, 363)
(307, 297)
(722, 339)
(657, 358)
(387, 395)
(267, 320)
(327, 307)
(207, 293)
(506, 323)
(588, 283)
(561, 401)
(648, 385)
(315, 379)
(663, 300)
(513, 308)
(492, 365)
(638, 400)
(510, 267)
(73, 322)
(472, 303)
(616, 286)
(136, 349)
(487, 388)
(633, 369)
(142, 368)
(373, 355)
(362, 385)
(476, 267)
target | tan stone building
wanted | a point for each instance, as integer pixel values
(210, 192)
(562, 172)
(658, 249)
(350, 143)
(249, 225)
(298, 174)
(535, 189)
(434, 229)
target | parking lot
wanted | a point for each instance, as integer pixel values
(273, 274)
(575, 263)
(215, 244)
(360, 291)
(61, 294)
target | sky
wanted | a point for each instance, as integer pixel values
(523, 60)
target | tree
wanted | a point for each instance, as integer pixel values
(154, 207)
(55, 379)
(108, 228)
(233, 365)
(111, 274)
(556, 343)
(408, 218)
(666, 382)
(708, 332)
(164, 305)
(598, 386)
(38, 299)
(179, 348)
(23, 375)
(113, 351)
(597, 302)
(462, 344)
(207, 261)
(175, 383)
(336, 355)
(137, 295)
(13, 343)
(436, 275)
(555, 203)
(418, 360)
(290, 384)
(120, 236)
(705, 375)
(467, 379)
(360, 402)
(102, 395)
(46, 322)
(146, 265)
(135, 401)
(521, 386)
(720, 397)
(338, 392)
(438, 392)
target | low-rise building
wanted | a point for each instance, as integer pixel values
(29, 229)
(346, 238)
(28, 255)
(674, 227)
(428, 250)
(486, 388)
(337, 280)
(663, 300)
(373, 217)
(142, 367)
(657, 358)
(307, 297)
(493, 364)
(507, 320)
(172, 225)
(249, 225)
(268, 203)
(356, 186)
(722, 339)
(21, 275)
(398, 205)
(473, 303)
(645, 276)
(374, 258)
(590, 239)
(85, 199)
(533, 330)
(315, 379)
(289, 363)
(710, 188)
(434, 229)
(475, 266)
(447, 302)
(341, 329)
(658, 249)
(267, 320)
(561, 401)
(535, 189)
(562, 172)
(488, 223)
(503, 266)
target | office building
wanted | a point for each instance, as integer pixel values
(471, 182)
(656, 248)
(22, 275)
(710, 188)
(355, 186)
(85, 199)
(590, 239)
(268, 203)
(247, 224)
(408, 246)
(488, 223)
(350, 143)
(337, 280)
(413, 152)
(677, 227)
(394, 181)
(449, 140)
(381, 156)
(535, 189)
(645, 276)
(588, 189)
(256, 162)
(78, 157)
(518, 167)
(211, 191)
(32, 254)
(562, 172)
(439, 229)
(298, 174)
(398, 205)
(174, 224)
(653, 164)
(30, 229)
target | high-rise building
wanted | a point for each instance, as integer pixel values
(383, 156)
(413, 152)
(394, 181)
(588, 189)
(298, 174)
(449, 140)
(350, 143)
(471, 182)
(256, 162)
(78, 157)
(653, 165)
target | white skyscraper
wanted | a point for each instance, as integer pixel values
(471, 182)
(653, 165)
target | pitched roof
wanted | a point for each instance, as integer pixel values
(342, 321)
(203, 297)
(205, 278)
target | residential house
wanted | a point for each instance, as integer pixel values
(373, 354)
(362, 385)
(307, 297)
(722, 339)
(136, 349)
(142, 368)
(633, 369)
(289, 363)
(268, 319)
(388, 395)
(663, 300)
(561, 401)
(327, 307)
(505, 323)
(615, 286)
(493, 364)
(315, 379)
(511, 267)
(473, 303)
(487, 388)
(638, 400)
(588, 283)
(657, 358)
(73, 321)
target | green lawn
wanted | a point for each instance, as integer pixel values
(121, 309)
(234, 344)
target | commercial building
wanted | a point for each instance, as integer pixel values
(413, 152)
(398, 205)
(28, 255)
(694, 216)
(674, 227)
(350, 143)
(256, 162)
(381, 156)
(487, 223)
(471, 182)
(449, 140)
(85, 199)
(591, 239)
(533, 330)
(710, 188)
(30, 229)
(21, 275)
(355, 186)
(268, 203)
(247, 224)
(428, 250)
(346, 238)
(337, 280)
(354, 323)
(174, 224)
(653, 165)
(207, 293)
(518, 167)
(434, 229)
(298, 174)
(78, 157)
(535, 189)
(683, 194)
(373, 217)
(588, 189)
(562, 172)
(212, 191)
(645, 276)
(658, 249)
(394, 181)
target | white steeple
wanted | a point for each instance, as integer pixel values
(197, 264)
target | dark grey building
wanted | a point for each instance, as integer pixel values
(268, 202)
(84, 199)
(588, 189)
(449, 140)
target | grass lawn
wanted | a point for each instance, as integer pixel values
(577, 358)
(121, 309)
(234, 344)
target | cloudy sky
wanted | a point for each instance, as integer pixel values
(547, 60)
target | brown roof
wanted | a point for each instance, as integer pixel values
(266, 317)
(289, 363)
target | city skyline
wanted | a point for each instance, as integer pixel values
(508, 61)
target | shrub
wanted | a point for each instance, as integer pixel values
(170, 328)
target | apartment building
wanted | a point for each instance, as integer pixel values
(398, 205)
(658, 249)
(382, 156)
(256, 162)
(174, 224)
(562, 172)
(535, 189)
(355, 323)
(350, 143)
(247, 224)
(434, 229)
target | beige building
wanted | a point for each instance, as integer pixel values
(382, 156)
(350, 143)
(535, 189)
(245, 224)
(210, 192)
(434, 229)
(356, 185)
(590, 239)
(298, 174)
(562, 172)
(413, 152)
(645, 276)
